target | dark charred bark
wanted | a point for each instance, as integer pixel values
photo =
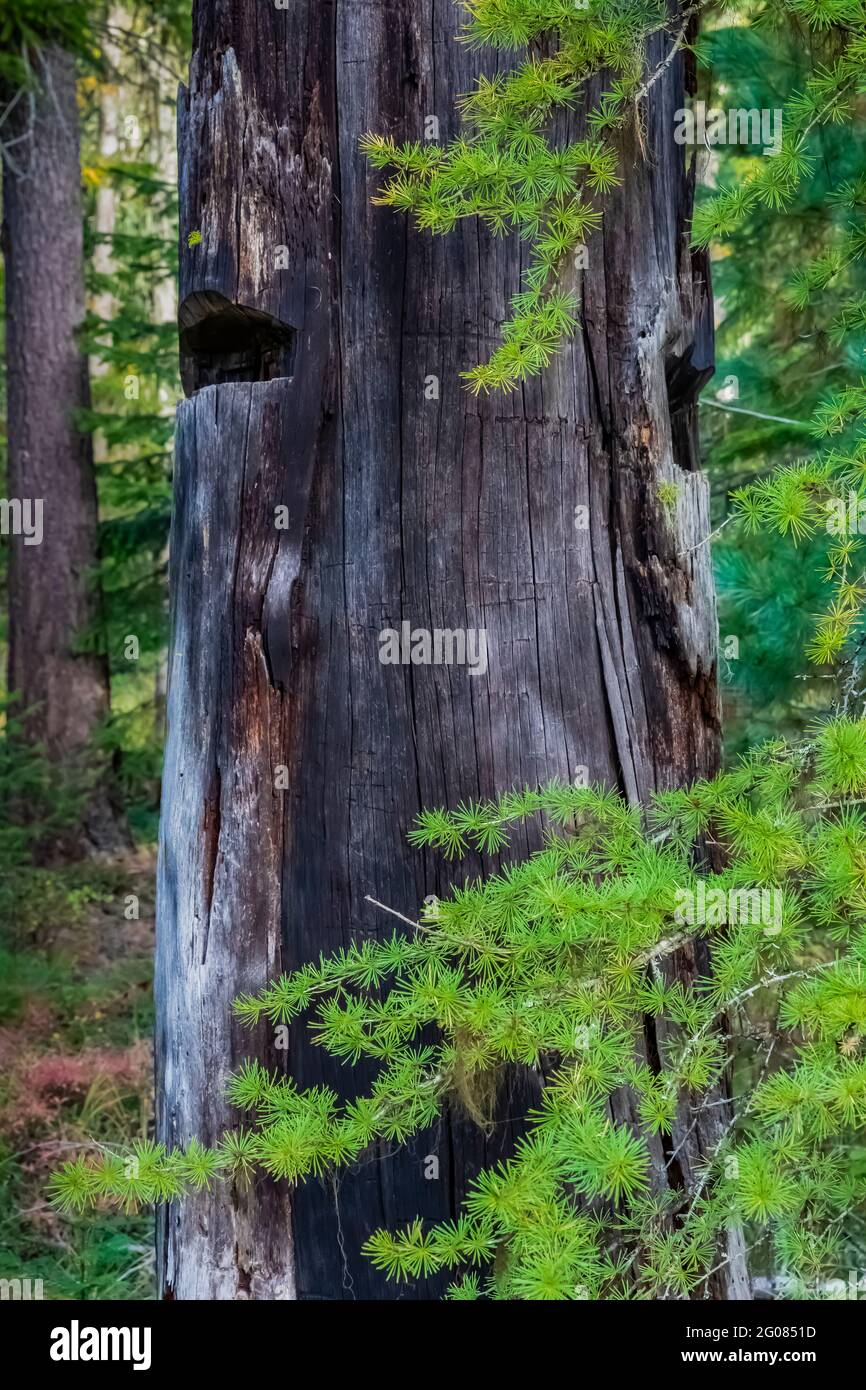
(62, 687)
(311, 388)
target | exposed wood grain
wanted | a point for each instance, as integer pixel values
(449, 512)
(222, 827)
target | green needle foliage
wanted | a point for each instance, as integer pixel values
(775, 363)
(132, 419)
(507, 167)
(821, 497)
(554, 963)
(26, 25)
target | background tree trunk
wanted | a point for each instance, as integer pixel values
(53, 598)
(111, 102)
(312, 387)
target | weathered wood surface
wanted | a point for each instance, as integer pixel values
(450, 513)
(222, 826)
(61, 685)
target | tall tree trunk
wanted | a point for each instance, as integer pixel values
(535, 517)
(104, 303)
(53, 599)
(164, 311)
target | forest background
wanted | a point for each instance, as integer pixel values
(76, 930)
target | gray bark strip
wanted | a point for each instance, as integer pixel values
(221, 838)
(449, 512)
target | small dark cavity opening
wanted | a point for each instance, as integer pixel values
(687, 373)
(685, 378)
(224, 342)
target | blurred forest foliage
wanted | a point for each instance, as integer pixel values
(76, 938)
(773, 359)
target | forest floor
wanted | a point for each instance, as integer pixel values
(76, 1021)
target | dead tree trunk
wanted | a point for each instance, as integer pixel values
(321, 341)
(53, 599)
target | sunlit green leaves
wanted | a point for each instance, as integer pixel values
(560, 961)
(841, 755)
(506, 170)
(762, 1187)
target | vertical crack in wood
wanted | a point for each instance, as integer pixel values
(210, 852)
